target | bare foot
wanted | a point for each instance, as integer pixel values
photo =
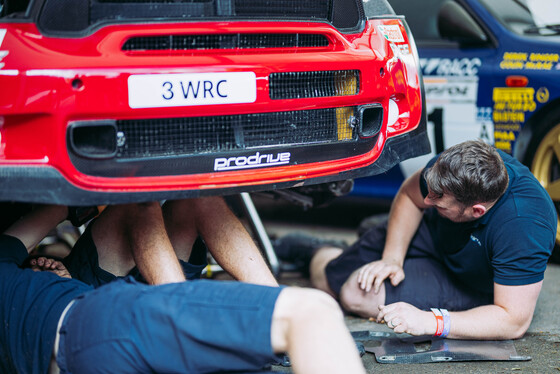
(49, 264)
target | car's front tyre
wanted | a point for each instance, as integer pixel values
(544, 156)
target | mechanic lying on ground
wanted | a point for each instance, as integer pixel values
(472, 232)
(130, 327)
(126, 236)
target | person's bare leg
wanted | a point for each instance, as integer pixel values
(309, 326)
(355, 300)
(134, 234)
(179, 218)
(113, 249)
(225, 236)
(317, 267)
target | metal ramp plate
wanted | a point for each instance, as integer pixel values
(391, 348)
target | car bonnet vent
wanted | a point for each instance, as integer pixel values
(80, 16)
(223, 41)
(283, 8)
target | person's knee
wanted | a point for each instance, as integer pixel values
(211, 209)
(209, 203)
(318, 266)
(350, 298)
(145, 207)
(299, 309)
(122, 215)
(355, 300)
(303, 303)
(315, 302)
(179, 205)
(179, 214)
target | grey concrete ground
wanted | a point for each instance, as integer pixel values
(541, 343)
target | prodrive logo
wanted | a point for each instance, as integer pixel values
(255, 161)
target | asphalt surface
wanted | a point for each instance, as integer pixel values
(340, 220)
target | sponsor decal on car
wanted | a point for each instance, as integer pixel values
(257, 160)
(511, 103)
(543, 95)
(510, 107)
(529, 61)
(392, 33)
(2, 53)
(448, 66)
(451, 89)
(400, 49)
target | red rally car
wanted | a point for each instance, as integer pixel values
(114, 101)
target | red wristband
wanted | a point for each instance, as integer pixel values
(439, 320)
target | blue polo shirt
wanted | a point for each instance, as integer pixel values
(31, 305)
(509, 245)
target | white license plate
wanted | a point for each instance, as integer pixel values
(171, 90)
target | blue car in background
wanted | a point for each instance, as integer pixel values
(491, 71)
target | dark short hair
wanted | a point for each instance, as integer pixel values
(472, 171)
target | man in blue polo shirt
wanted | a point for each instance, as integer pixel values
(54, 324)
(472, 232)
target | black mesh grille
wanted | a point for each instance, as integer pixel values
(297, 85)
(347, 14)
(283, 8)
(153, 1)
(196, 135)
(224, 41)
(79, 16)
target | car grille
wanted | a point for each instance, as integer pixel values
(82, 16)
(195, 135)
(283, 8)
(298, 85)
(241, 8)
(223, 41)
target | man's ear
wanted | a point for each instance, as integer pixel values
(478, 210)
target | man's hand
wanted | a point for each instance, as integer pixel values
(373, 274)
(405, 318)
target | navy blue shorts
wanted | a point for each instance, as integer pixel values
(83, 262)
(196, 326)
(427, 282)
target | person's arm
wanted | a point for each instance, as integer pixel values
(508, 318)
(34, 226)
(404, 218)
